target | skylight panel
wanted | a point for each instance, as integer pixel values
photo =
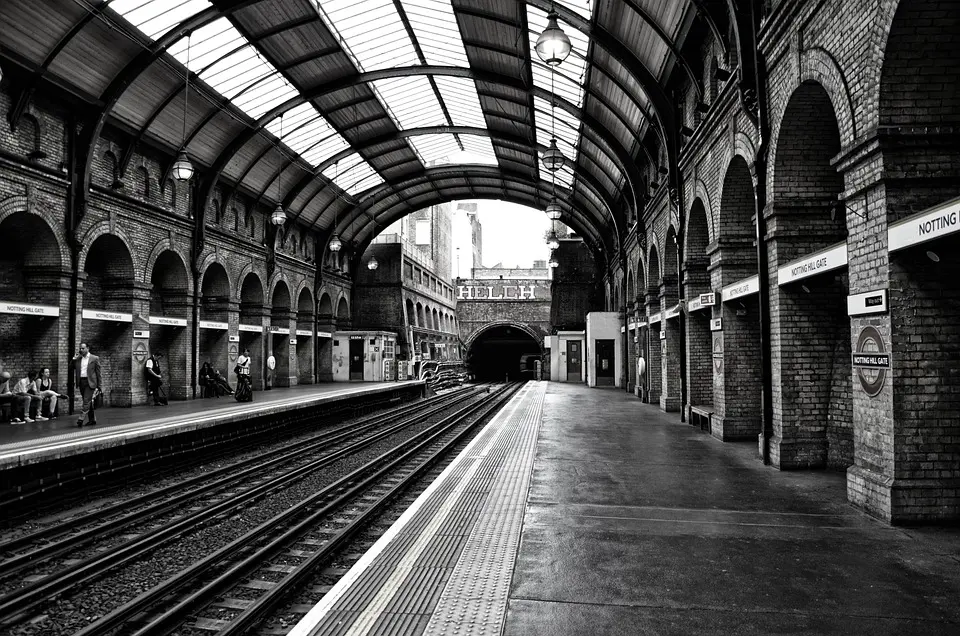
(437, 32)
(155, 17)
(234, 68)
(566, 128)
(307, 133)
(463, 103)
(352, 174)
(564, 176)
(581, 7)
(411, 101)
(371, 32)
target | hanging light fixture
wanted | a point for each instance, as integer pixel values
(552, 157)
(552, 241)
(373, 263)
(279, 217)
(553, 261)
(553, 210)
(182, 168)
(335, 243)
(553, 45)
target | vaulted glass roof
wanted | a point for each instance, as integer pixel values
(156, 17)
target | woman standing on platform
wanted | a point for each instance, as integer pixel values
(244, 391)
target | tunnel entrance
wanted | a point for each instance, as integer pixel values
(503, 352)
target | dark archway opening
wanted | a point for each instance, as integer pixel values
(504, 353)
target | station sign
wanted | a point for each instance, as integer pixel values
(741, 288)
(251, 328)
(871, 302)
(663, 334)
(673, 312)
(168, 322)
(702, 301)
(641, 324)
(212, 324)
(655, 318)
(111, 316)
(141, 333)
(304, 332)
(833, 257)
(324, 334)
(356, 337)
(293, 341)
(280, 330)
(940, 220)
(233, 338)
(716, 324)
(29, 310)
(871, 360)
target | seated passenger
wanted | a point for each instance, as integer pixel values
(47, 394)
(206, 381)
(6, 394)
(221, 385)
(26, 399)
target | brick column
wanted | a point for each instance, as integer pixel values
(177, 345)
(804, 328)
(214, 345)
(286, 355)
(737, 373)
(654, 349)
(305, 346)
(669, 348)
(696, 280)
(254, 315)
(138, 297)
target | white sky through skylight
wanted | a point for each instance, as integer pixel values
(156, 17)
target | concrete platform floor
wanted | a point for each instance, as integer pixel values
(638, 524)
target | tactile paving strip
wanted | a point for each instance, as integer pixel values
(445, 566)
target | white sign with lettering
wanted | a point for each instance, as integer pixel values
(304, 332)
(251, 328)
(833, 257)
(741, 288)
(169, 322)
(938, 221)
(703, 301)
(503, 292)
(281, 330)
(716, 324)
(29, 310)
(324, 334)
(233, 338)
(871, 302)
(212, 324)
(655, 318)
(112, 316)
(673, 312)
(141, 333)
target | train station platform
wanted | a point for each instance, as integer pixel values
(583, 511)
(26, 444)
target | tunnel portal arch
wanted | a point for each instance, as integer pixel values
(504, 349)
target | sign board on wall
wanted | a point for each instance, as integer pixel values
(716, 324)
(703, 301)
(741, 288)
(304, 332)
(293, 341)
(168, 322)
(655, 318)
(498, 291)
(833, 257)
(233, 338)
(251, 328)
(29, 310)
(112, 316)
(938, 221)
(324, 334)
(141, 333)
(673, 312)
(871, 302)
(212, 324)
(871, 360)
(280, 330)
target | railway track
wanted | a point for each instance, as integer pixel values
(42, 564)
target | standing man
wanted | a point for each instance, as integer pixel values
(86, 369)
(271, 365)
(244, 392)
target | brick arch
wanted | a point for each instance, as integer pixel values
(259, 281)
(209, 259)
(818, 65)
(244, 271)
(304, 299)
(343, 302)
(697, 235)
(737, 200)
(98, 230)
(302, 284)
(320, 309)
(700, 193)
(527, 329)
(671, 255)
(653, 260)
(21, 203)
(207, 268)
(275, 286)
(919, 35)
(806, 137)
(163, 246)
(29, 138)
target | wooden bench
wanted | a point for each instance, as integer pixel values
(700, 416)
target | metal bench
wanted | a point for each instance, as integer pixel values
(700, 416)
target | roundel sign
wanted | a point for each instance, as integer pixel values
(871, 360)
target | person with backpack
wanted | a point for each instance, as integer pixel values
(154, 377)
(244, 392)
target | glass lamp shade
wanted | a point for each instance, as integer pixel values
(553, 45)
(553, 262)
(553, 210)
(552, 241)
(279, 217)
(335, 244)
(373, 264)
(182, 168)
(552, 157)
